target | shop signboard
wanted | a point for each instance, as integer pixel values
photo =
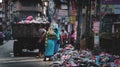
(116, 9)
(73, 12)
(62, 12)
(72, 19)
(110, 9)
(96, 25)
(96, 28)
(107, 9)
(110, 1)
(64, 6)
(96, 41)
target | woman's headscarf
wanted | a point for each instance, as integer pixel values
(56, 29)
(51, 30)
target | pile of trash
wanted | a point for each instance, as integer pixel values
(30, 19)
(68, 57)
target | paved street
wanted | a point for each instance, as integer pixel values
(27, 64)
(6, 49)
(7, 58)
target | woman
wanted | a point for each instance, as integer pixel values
(72, 36)
(64, 36)
(41, 42)
(57, 40)
(50, 43)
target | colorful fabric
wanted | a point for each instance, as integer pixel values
(64, 35)
(57, 43)
(57, 46)
(50, 43)
(119, 65)
(49, 49)
(97, 60)
(50, 35)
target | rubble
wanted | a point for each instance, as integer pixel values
(68, 57)
(30, 20)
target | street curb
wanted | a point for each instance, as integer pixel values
(21, 60)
